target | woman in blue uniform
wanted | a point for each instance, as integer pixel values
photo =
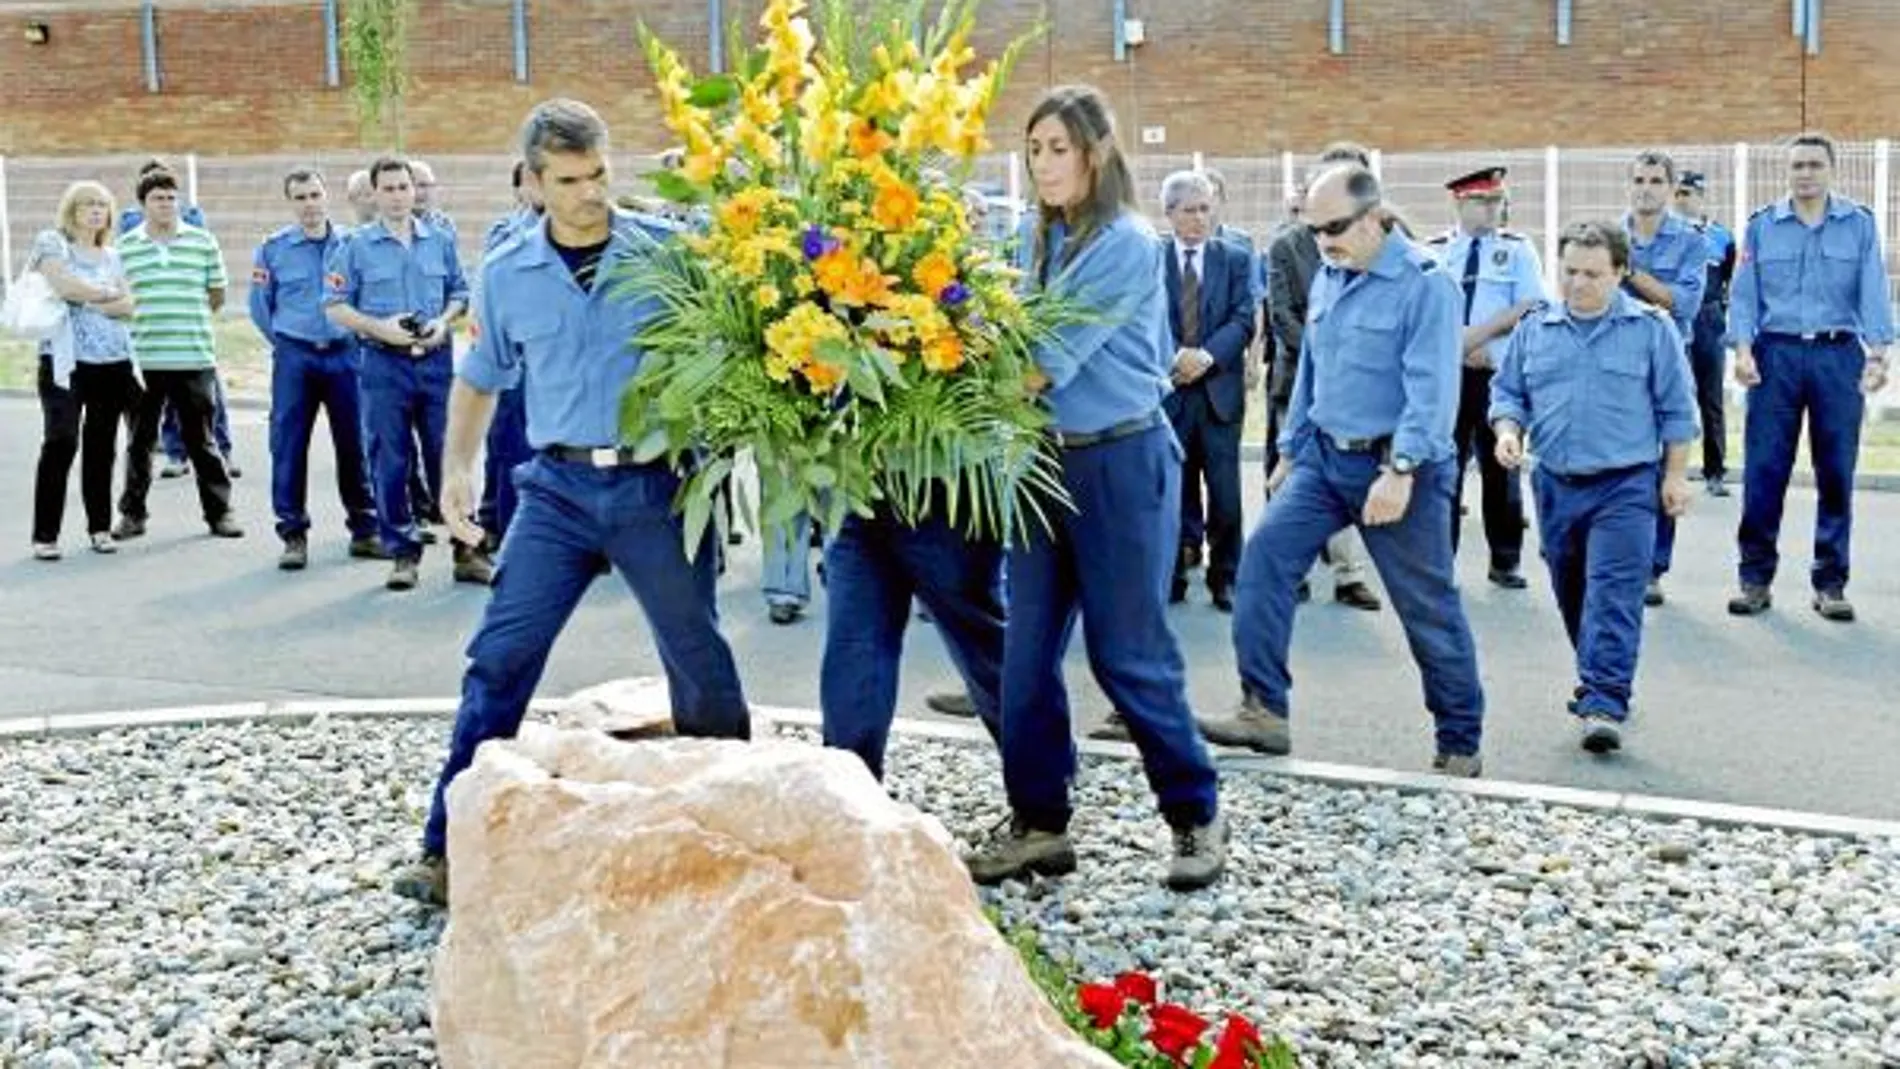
(1110, 559)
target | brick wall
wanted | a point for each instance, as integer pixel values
(1226, 77)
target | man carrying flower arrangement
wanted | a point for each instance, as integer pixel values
(551, 321)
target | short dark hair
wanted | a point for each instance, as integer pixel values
(520, 173)
(1595, 234)
(1817, 139)
(1346, 152)
(388, 163)
(560, 125)
(298, 175)
(153, 164)
(1655, 158)
(156, 178)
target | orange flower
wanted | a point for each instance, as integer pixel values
(850, 279)
(868, 140)
(834, 270)
(896, 205)
(934, 273)
(823, 376)
(944, 353)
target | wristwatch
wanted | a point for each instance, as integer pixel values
(1403, 465)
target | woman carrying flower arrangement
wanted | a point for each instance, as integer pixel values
(1109, 558)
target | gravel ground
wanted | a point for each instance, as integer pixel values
(188, 897)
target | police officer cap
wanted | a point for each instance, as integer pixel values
(1484, 182)
(1695, 180)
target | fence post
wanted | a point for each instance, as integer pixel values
(6, 232)
(1197, 163)
(191, 178)
(1287, 184)
(1553, 213)
(332, 69)
(1883, 187)
(1378, 164)
(1740, 207)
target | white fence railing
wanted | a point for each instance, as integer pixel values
(1550, 187)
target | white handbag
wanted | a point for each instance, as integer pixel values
(32, 310)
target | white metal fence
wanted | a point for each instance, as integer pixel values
(242, 196)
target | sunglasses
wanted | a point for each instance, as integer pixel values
(1340, 226)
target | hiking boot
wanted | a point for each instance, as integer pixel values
(1752, 601)
(1253, 726)
(472, 567)
(225, 526)
(1458, 765)
(296, 554)
(1113, 729)
(1653, 593)
(949, 703)
(1200, 855)
(175, 469)
(1601, 734)
(425, 880)
(368, 547)
(1357, 596)
(1833, 605)
(1508, 578)
(1014, 850)
(128, 528)
(403, 576)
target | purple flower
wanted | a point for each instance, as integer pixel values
(816, 244)
(954, 294)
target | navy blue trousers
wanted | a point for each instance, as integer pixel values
(507, 448)
(405, 400)
(1325, 493)
(1821, 381)
(1596, 533)
(571, 516)
(304, 381)
(873, 568)
(1109, 563)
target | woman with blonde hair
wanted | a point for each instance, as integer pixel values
(86, 379)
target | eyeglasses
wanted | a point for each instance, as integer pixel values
(1340, 226)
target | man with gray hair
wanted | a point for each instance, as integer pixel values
(552, 323)
(1210, 320)
(361, 196)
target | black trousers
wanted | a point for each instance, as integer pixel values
(1503, 492)
(1708, 363)
(194, 395)
(80, 421)
(1211, 458)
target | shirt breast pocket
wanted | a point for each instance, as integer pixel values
(382, 290)
(1369, 337)
(1780, 270)
(1624, 382)
(296, 283)
(435, 285)
(531, 344)
(1840, 255)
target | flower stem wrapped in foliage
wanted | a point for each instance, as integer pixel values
(839, 316)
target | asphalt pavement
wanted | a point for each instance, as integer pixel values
(1787, 710)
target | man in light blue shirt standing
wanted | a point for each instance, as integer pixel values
(1811, 322)
(1367, 443)
(1602, 383)
(1668, 268)
(1499, 276)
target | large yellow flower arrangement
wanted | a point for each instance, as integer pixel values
(837, 316)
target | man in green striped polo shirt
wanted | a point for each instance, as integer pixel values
(176, 272)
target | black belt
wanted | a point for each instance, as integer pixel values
(406, 351)
(598, 457)
(1358, 445)
(1114, 433)
(317, 346)
(1817, 335)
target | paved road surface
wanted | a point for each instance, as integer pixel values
(1787, 711)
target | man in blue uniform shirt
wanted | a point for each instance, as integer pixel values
(313, 366)
(1708, 349)
(1498, 273)
(1602, 383)
(1367, 443)
(1811, 322)
(508, 435)
(397, 284)
(552, 322)
(1668, 268)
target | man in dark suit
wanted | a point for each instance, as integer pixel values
(1211, 317)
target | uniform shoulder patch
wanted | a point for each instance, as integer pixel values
(334, 280)
(259, 275)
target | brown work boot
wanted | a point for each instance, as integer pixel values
(951, 703)
(1200, 855)
(471, 566)
(1014, 850)
(404, 575)
(1458, 765)
(1253, 726)
(296, 554)
(425, 880)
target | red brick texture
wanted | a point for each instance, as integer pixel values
(1226, 77)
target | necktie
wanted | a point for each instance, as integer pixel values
(1190, 302)
(1471, 279)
